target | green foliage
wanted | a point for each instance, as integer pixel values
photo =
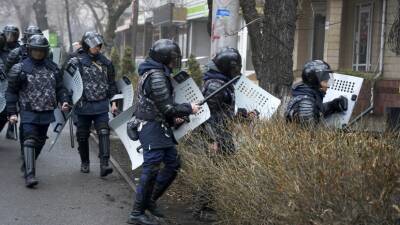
(194, 70)
(115, 59)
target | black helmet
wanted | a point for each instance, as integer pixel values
(91, 40)
(316, 71)
(38, 42)
(228, 61)
(29, 31)
(166, 51)
(11, 32)
(2, 40)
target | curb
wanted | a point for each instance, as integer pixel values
(117, 167)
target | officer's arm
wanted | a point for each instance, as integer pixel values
(306, 112)
(160, 93)
(12, 58)
(112, 86)
(14, 85)
(3, 75)
(215, 102)
(61, 91)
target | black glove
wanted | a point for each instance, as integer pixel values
(132, 130)
(339, 104)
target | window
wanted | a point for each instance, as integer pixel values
(362, 38)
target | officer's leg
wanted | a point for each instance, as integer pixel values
(150, 168)
(103, 132)
(3, 119)
(41, 139)
(29, 146)
(82, 136)
(164, 178)
(21, 139)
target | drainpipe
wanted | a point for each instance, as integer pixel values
(380, 70)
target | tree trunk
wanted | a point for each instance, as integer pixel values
(135, 14)
(98, 24)
(272, 43)
(115, 8)
(39, 6)
(23, 13)
(68, 25)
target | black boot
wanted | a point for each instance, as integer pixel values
(138, 216)
(83, 148)
(104, 150)
(29, 155)
(159, 190)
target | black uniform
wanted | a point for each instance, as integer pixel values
(306, 106)
(157, 111)
(36, 87)
(3, 80)
(99, 87)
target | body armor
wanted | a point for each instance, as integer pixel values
(39, 93)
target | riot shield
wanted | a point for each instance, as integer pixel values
(118, 124)
(73, 82)
(186, 91)
(349, 87)
(251, 97)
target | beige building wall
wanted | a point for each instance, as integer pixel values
(391, 60)
(304, 36)
(333, 33)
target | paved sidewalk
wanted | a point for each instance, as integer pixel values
(64, 196)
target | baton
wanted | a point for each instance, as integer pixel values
(223, 87)
(71, 132)
(15, 131)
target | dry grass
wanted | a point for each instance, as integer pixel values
(283, 174)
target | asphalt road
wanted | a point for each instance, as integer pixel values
(64, 196)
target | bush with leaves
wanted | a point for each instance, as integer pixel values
(115, 59)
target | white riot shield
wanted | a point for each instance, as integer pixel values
(3, 89)
(186, 91)
(125, 87)
(73, 82)
(250, 96)
(118, 124)
(349, 87)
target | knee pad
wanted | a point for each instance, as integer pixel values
(102, 126)
(103, 132)
(30, 142)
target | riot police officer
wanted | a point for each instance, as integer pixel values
(36, 86)
(157, 113)
(12, 35)
(99, 87)
(226, 65)
(15, 56)
(3, 81)
(306, 105)
(20, 53)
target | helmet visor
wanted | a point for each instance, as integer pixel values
(94, 41)
(38, 53)
(11, 36)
